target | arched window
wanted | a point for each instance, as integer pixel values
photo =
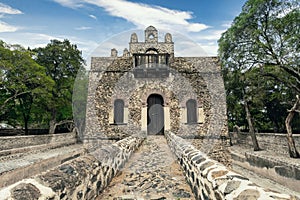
(118, 111)
(191, 106)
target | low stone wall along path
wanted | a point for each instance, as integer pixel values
(151, 173)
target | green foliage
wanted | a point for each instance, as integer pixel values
(62, 61)
(260, 55)
(36, 86)
(22, 83)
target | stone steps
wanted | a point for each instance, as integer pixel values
(25, 162)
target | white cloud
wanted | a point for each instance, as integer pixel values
(162, 18)
(119, 42)
(208, 40)
(211, 49)
(210, 35)
(70, 3)
(227, 24)
(82, 28)
(93, 16)
(4, 27)
(6, 9)
(143, 15)
(35, 40)
(32, 40)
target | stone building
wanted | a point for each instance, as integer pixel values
(148, 89)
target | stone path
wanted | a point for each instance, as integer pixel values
(151, 173)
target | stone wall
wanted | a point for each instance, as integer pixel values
(196, 78)
(13, 132)
(214, 104)
(273, 142)
(212, 180)
(82, 178)
(12, 142)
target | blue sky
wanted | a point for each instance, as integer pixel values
(88, 23)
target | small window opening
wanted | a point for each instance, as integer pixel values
(191, 105)
(119, 111)
(151, 36)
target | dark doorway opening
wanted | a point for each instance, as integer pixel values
(155, 115)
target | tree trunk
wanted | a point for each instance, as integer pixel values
(26, 103)
(26, 120)
(251, 127)
(52, 122)
(291, 143)
(233, 137)
(52, 126)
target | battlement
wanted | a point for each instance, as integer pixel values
(151, 45)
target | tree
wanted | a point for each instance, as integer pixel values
(265, 36)
(240, 93)
(295, 109)
(62, 60)
(22, 81)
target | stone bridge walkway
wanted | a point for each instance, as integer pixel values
(151, 173)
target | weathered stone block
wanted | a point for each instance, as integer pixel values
(248, 195)
(25, 191)
(231, 186)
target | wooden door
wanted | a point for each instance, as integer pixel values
(155, 114)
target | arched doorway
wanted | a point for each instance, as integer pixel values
(155, 114)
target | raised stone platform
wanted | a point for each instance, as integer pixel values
(24, 156)
(277, 167)
(80, 178)
(24, 166)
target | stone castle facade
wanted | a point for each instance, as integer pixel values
(148, 89)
